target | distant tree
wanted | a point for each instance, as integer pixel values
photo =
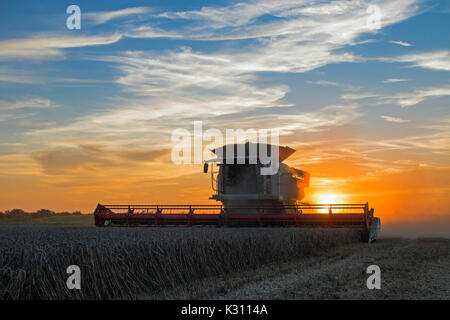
(64, 213)
(15, 212)
(44, 213)
(77, 213)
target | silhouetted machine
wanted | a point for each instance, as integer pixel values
(243, 184)
(249, 198)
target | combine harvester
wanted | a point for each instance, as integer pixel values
(248, 199)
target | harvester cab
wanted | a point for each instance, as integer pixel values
(242, 183)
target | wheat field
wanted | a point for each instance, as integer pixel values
(125, 263)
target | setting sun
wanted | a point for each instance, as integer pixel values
(328, 198)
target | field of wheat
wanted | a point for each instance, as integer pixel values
(124, 263)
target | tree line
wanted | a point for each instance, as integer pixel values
(19, 213)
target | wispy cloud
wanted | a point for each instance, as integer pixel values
(299, 18)
(415, 97)
(63, 160)
(435, 60)
(393, 80)
(335, 84)
(402, 43)
(437, 142)
(291, 36)
(179, 86)
(105, 16)
(42, 46)
(304, 37)
(404, 99)
(358, 96)
(27, 103)
(34, 123)
(8, 74)
(394, 119)
(148, 32)
(324, 83)
(136, 126)
(10, 110)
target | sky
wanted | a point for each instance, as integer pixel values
(360, 89)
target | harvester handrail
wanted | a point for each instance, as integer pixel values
(194, 209)
(335, 205)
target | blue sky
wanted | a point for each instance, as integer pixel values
(318, 70)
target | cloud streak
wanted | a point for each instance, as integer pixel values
(394, 80)
(435, 60)
(394, 119)
(402, 43)
(105, 16)
(415, 97)
(42, 46)
(27, 103)
(404, 99)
